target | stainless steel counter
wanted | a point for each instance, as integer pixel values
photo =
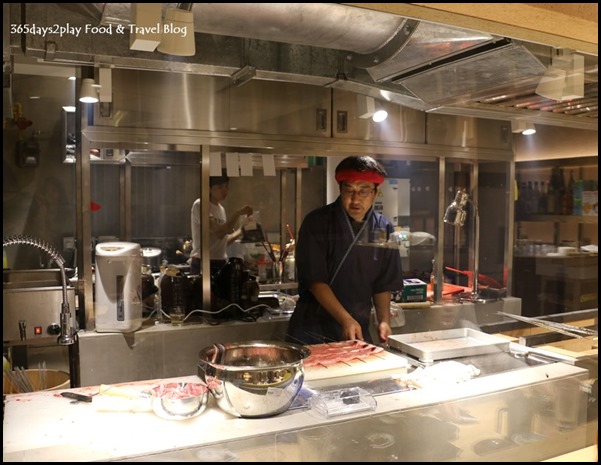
(446, 422)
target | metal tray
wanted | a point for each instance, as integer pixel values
(451, 343)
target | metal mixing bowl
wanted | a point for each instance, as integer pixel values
(179, 401)
(253, 379)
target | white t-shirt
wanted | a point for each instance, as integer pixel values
(217, 247)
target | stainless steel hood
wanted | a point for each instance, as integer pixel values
(426, 66)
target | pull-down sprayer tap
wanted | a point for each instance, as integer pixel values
(67, 335)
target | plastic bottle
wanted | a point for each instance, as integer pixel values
(289, 269)
(158, 309)
(262, 269)
(535, 198)
(563, 195)
(555, 187)
(551, 198)
(529, 198)
(570, 194)
(577, 197)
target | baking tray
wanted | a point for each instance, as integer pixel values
(449, 343)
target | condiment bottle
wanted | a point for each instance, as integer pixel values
(289, 269)
(433, 282)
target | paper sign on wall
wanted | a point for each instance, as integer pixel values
(232, 164)
(246, 164)
(215, 164)
(268, 165)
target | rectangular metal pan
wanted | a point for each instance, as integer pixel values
(452, 343)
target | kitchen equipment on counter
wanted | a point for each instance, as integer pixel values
(176, 293)
(337, 402)
(149, 291)
(32, 299)
(228, 280)
(253, 379)
(151, 256)
(234, 284)
(252, 231)
(118, 304)
(449, 343)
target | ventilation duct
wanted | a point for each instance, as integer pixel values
(424, 66)
(436, 63)
(472, 76)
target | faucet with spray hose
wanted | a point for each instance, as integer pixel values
(67, 334)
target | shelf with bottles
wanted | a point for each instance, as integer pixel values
(563, 191)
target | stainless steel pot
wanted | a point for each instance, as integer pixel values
(151, 256)
(253, 379)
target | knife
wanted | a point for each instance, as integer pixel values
(75, 396)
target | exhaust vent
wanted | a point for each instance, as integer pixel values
(419, 46)
(469, 78)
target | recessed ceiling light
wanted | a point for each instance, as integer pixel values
(379, 116)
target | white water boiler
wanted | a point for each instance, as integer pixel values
(118, 303)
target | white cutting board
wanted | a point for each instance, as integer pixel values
(382, 361)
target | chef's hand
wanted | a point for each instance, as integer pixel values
(352, 330)
(384, 330)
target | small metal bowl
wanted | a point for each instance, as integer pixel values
(253, 379)
(179, 401)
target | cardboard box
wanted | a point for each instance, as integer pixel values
(414, 290)
(590, 206)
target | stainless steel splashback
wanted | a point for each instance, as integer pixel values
(143, 99)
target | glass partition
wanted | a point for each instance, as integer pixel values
(483, 237)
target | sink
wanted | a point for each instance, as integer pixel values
(20, 279)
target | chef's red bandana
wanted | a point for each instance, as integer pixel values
(356, 175)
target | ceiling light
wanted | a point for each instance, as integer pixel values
(523, 127)
(178, 33)
(379, 116)
(366, 108)
(89, 91)
(529, 130)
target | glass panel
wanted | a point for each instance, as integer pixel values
(485, 227)
(38, 190)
